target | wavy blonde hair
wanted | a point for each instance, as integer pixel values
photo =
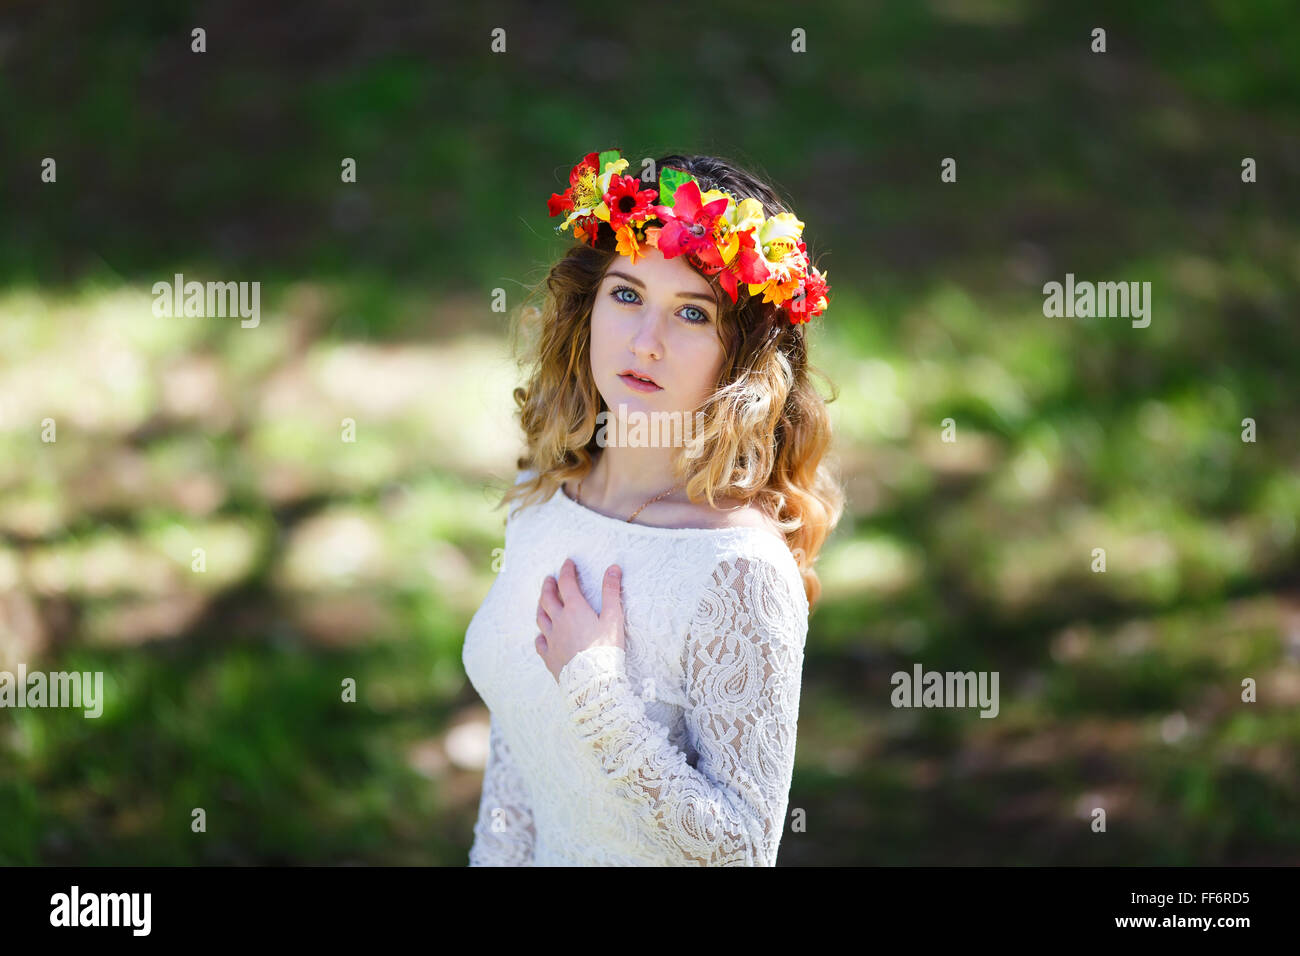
(765, 432)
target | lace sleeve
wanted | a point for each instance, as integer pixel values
(744, 659)
(504, 834)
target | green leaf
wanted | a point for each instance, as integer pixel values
(669, 180)
(608, 156)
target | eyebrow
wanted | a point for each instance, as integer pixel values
(712, 300)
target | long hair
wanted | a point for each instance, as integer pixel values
(764, 434)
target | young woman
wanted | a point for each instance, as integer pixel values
(641, 650)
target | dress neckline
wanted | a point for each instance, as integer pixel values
(739, 531)
(654, 529)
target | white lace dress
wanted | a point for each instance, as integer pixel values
(678, 751)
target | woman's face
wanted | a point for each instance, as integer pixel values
(658, 317)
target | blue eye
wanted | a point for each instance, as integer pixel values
(615, 293)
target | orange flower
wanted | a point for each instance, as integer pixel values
(627, 243)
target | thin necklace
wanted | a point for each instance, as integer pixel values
(638, 510)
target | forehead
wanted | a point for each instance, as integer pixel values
(669, 276)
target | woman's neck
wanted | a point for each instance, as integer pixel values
(630, 477)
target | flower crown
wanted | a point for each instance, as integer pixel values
(716, 232)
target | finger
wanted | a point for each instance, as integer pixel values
(541, 644)
(611, 600)
(543, 621)
(550, 601)
(569, 582)
(550, 589)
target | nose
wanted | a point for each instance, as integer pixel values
(648, 341)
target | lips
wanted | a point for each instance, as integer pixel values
(638, 375)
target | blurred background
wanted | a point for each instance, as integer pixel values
(328, 559)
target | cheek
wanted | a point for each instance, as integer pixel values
(705, 362)
(600, 326)
(608, 337)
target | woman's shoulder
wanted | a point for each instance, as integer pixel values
(727, 514)
(774, 553)
(742, 562)
(750, 516)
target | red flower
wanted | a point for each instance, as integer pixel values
(689, 227)
(804, 304)
(559, 202)
(626, 202)
(746, 266)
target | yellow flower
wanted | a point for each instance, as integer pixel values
(748, 215)
(602, 186)
(736, 218)
(778, 245)
(589, 193)
(611, 170)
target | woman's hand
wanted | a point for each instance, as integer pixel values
(570, 625)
